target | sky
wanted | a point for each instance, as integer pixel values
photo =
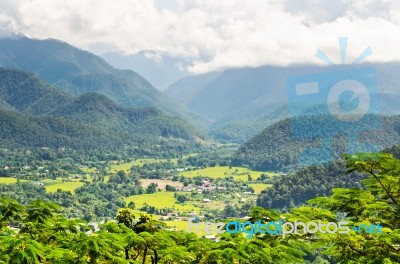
(214, 35)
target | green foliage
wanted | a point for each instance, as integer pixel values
(378, 203)
(43, 235)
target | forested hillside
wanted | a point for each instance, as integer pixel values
(297, 187)
(77, 72)
(24, 92)
(238, 100)
(277, 147)
(35, 114)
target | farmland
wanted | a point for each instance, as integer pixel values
(50, 184)
(217, 172)
(160, 200)
(7, 180)
(258, 187)
(126, 166)
(161, 183)
(65, 186)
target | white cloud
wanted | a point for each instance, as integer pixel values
(215, 34)
(154, 56)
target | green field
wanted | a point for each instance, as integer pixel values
(216, 172)
(7, 180)
(65, 186)
(87, 170)
(51, 181)
(121, 167)
(258, 187)
(160, 200)
(178, 224)
(140, 162)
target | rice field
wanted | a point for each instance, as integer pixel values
(160, 200)
(258, 187)
(126, 166)
(121, 167)
(216, 172)
(179, 225)
(65, 186)
(7, 180)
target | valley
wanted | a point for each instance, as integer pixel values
(101, 160)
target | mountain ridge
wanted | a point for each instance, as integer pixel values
(278, 147)
(38, 107)
(76, 71)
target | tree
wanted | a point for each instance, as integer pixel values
(127, 217)
(131, 205)
(39, 211)
(22, 250)
(181, 198)
(230, 211)
(377, 203)
(10, 211)
(152, 188)
(170, 188)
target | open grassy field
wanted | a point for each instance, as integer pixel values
(51, 181)
(238, 173)
(122, 166)
(7, 180)
(258, 187)
(139, 162)
(65, 186)
(126, 166)
(87, 170)
(160, 200)
(178, 224)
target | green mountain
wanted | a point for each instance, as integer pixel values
(239, 131)
(22, 130)
(277, 147)
(24, 92)
(144, 122)
(297, 188)
(34, 113)
(241, 102)
(77, 72)
(185, 89)
(236, 94)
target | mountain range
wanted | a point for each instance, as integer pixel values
(76, 72)
(79, 92)
(159, 68)
(36, 114)
(241, 102)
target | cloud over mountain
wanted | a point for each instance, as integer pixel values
(214, 34)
